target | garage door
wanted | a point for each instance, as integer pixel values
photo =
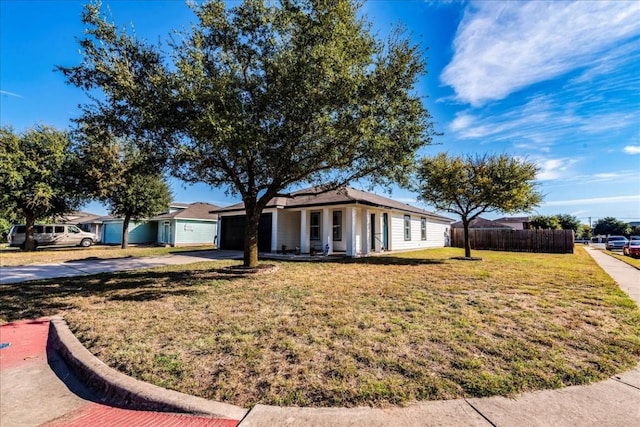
(232, 230)
(112, 233)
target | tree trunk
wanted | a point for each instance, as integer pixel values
(251, 236)
(467, 242)
(29, 243)
(125, 232)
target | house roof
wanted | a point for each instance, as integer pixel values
(77, 217)
(517, 219)
(480, 222)
(196, 210)
(311, 198)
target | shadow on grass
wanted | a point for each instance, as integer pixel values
(392, 260)
(29, 300)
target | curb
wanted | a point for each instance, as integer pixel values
(129, 392)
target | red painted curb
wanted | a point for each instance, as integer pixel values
(99, 415)
(27, 342)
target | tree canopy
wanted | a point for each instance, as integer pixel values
(610, 225)
(37, 178)
(469, 186)
(545, 222)
(263, 96)
(117, 173)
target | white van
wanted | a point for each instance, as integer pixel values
(51, 235)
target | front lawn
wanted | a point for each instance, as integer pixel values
(374, 331)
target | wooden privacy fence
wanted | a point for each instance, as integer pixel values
(546, 241)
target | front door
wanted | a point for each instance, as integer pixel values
(385, 231)
(373, 232)
(166, 232)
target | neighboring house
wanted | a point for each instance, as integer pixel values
(348, 221)
(480, 222)
(515, 223)
(195, 224)
(182, 225)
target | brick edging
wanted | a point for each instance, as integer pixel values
(129, 392)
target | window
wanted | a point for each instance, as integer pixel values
(423, 228)
(37, 229)
(337, 226)
(73, 229)
(314, 222)
(407, 227)
(59, 229)
(48, 229)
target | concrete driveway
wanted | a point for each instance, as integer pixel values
(87, 267)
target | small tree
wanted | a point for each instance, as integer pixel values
(610, 225)
(584, 231)
(36, 176)
(264, 96)
(469, 186)
(568, 222)
(118, 174)
(544, 222)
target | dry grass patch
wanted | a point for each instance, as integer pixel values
(375, 331)
(14, 256)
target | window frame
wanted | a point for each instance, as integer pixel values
(313, 226)
(407, 228)
(336, 229)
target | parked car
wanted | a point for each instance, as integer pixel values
(615, 242)
(51, 235)
(634, 241)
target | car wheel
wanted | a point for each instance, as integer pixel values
(85, 243)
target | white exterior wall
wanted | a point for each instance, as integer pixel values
(435, 233)
(288, 232)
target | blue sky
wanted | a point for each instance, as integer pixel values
(555, 82)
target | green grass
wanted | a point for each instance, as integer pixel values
(14, 256)
(376, 331)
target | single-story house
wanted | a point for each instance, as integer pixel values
(347, 221)
(480, 222)
(515, 222)
(195, 224)
(182, 225)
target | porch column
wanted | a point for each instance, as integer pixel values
(366, 232)
(304, 237)
(274, 231)
(326, 231)
(351, 231)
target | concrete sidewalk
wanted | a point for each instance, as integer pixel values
(87, 267)
(38, 388)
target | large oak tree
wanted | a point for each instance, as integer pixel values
(263, 96)
(37, 176)
(469, 186)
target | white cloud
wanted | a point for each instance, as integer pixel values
(501, 47)
(4, 92)
(632, 149)
(551, 169)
